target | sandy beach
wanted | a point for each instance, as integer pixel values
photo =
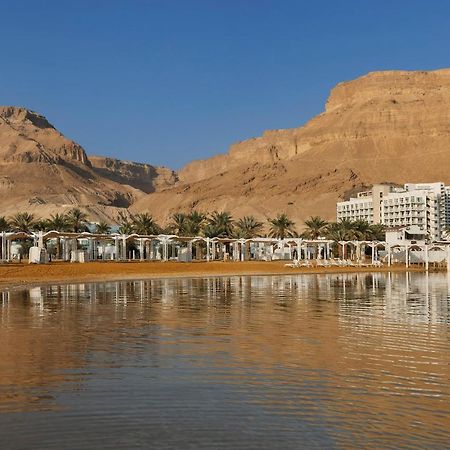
(62, 272)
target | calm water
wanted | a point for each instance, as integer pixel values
(308, 361)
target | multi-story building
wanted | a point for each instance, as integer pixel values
(365, 206)
(424, 206)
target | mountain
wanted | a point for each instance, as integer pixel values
(391, 126)
(42, 171)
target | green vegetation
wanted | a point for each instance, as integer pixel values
(195, 223)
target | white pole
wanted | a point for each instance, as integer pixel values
(207, 250)
(426, 258)
(124, 248)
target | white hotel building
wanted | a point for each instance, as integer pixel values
(425, 205)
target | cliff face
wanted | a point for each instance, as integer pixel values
(44, 172)
(385, 126)
(144, 177)
(28, 137)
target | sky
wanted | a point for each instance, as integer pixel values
(166, 82)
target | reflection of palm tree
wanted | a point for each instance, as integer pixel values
(247, 227)
(316, 227)
(281, 227)
(22, 221)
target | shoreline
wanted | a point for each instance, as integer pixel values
(16, 275)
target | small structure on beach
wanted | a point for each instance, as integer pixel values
(406, 246)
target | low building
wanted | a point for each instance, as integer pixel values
(410, 235)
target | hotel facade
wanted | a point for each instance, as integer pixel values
(424, 206)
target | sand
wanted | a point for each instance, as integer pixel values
(62, 272)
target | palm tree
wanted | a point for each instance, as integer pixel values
(348, 231)
(336, 232)
(281, 227)
(219, 224)
(179, 224)
(4, 224)
(195, 223)
(102, 228)
(377, 232)
(210, 231)
(22, 221)
(362, 229)
(41, 225)
(58, 222)
(344, 230)
(316, 227)
(143, 223)
(77, 220)
(248, 227)
(125, 224)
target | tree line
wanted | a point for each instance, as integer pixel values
(195, 223)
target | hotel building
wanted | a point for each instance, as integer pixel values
(422, 205)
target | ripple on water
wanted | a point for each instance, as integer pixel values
(304, 361)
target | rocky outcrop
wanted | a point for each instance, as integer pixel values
(27, 137)
(44, 172)
(144, 177)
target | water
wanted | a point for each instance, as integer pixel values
(306, 361)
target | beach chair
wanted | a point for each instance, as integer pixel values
(295, 263)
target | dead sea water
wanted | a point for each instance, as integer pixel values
(306, 361)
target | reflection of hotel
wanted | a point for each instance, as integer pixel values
(424, 206)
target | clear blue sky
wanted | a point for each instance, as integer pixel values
(167, 81)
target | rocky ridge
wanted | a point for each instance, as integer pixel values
(44, 172)
(391, 126)
(383, 127)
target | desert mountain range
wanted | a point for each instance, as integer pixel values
(391, 126)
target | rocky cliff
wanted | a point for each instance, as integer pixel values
(144, 177)
(44, 172)
(385, 126)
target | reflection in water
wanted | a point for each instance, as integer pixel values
(326, 360)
